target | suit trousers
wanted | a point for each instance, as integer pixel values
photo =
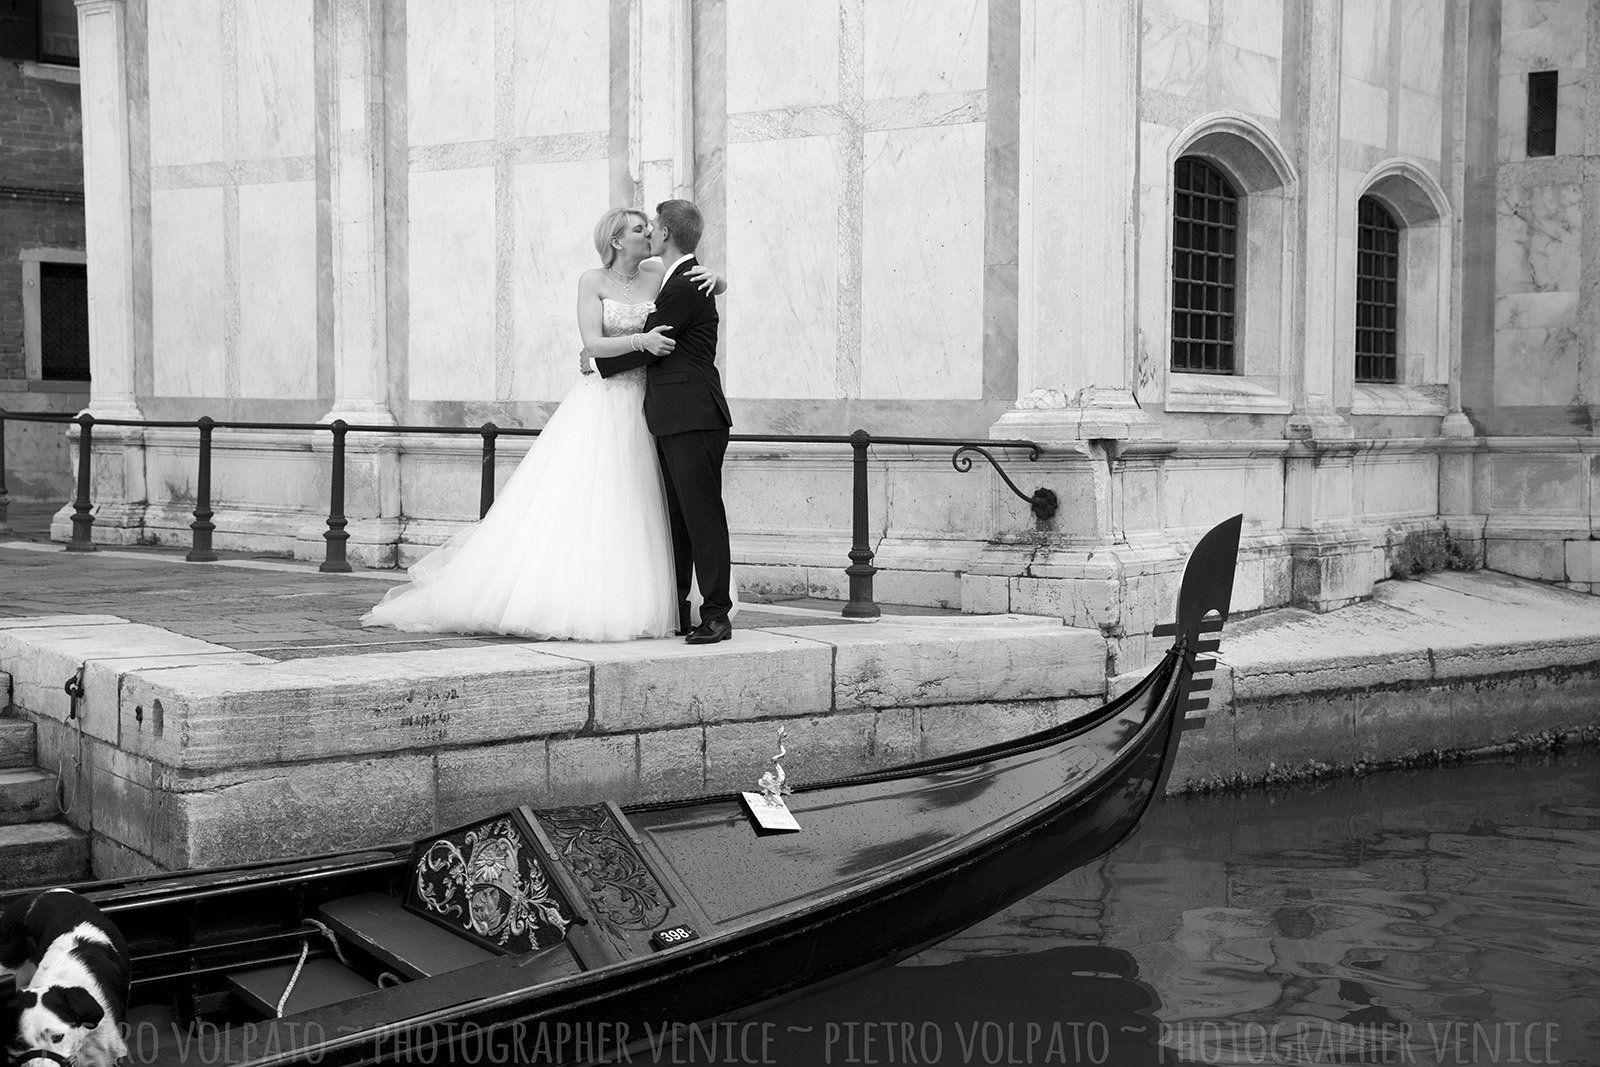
(691, 466)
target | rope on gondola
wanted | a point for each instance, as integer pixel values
(305, 951)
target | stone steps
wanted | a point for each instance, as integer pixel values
(27, 795)
(36, 846)
(42, 853)
(17, 749)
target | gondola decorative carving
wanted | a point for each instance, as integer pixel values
(619, 885)
(486, 882)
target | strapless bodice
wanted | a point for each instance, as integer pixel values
(618, 319)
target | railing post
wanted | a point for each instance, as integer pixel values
(201, 551)
(861, 570)
(486, 489)
(82, 520)
(334, 560)
(5, 495)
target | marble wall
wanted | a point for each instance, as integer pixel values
(855, 198)
(1229, 80)
(1542, 344)
(230, 126)
(933, 215)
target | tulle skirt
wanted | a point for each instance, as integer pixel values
(577, 545)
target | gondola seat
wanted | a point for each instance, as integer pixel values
(321, 982)
(413, 946)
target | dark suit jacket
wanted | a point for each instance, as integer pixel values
(683, 390)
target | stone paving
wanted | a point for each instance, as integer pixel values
(282, 609)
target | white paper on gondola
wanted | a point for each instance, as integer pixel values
(771, 812)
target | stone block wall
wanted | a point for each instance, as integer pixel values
(186, 754)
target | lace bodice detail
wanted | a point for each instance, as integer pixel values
(618, 319)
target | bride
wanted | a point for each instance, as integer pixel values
(577, 544)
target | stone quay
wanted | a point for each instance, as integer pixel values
(235, 711)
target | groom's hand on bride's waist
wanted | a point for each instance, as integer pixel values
(585, 364)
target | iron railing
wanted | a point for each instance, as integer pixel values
(860, 570)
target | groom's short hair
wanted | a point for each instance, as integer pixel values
(683, 222)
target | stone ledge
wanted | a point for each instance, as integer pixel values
(309, 709)
(1456, 661)
(41, 657)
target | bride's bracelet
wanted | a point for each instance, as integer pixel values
(634, 341)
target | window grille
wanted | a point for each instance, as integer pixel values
(43, 31)
(1205, 224)
(64, 322)
(1377, 293)
(1542, 93)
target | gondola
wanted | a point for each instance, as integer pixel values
(572, 934)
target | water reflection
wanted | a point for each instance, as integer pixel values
(1070, 1004)
(1448, 916)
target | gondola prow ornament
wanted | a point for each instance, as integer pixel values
(767, 807)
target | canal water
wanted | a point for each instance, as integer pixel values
(1440, 917)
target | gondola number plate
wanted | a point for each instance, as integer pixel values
(770, 813)
(671, 937)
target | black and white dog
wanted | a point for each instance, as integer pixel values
(71, 967)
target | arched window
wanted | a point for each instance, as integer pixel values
(1205, 225)
(1377, 293)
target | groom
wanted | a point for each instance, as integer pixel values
(686, 411)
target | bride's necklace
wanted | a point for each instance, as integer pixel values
(625, 279)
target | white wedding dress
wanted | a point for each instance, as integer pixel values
(577, 544)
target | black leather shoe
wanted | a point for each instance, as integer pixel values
(709, 633)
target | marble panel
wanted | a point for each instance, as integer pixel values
(1420, 334)
(659, 114)
(1537, 367)
(1191, 495)
(1349, 181)
(452, 291)
(1555, 45)
(449, 71)
(1511, 128)
(1388, 489)
(1420, 119)
(554, 244)
(1344, 295)
(783, 246)
(781, 55)
(1246, 81)
(922, 297)
(185, 65)
(925, 46)
(1173, 54)
(1535, 311)
(1263, 494)
(1363, 112)
(1557, 15)
(1155, 148)
(187, 292)
(1364, 47)
(277, 83)
(1539, 238)
(1193, 10)
(1572, 138)
(561, 74)
(1253, 26)
(1422, 45)
(278, 290)
(1536, 483)
(1151, 295)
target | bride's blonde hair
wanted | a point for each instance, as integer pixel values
(610, 227)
